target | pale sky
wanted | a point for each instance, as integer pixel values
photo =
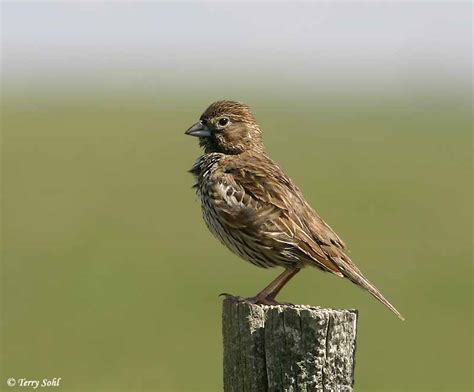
(345, 43)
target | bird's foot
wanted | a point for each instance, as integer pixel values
(261, 300)
(258, 300)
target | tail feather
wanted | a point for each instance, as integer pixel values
(355, 275)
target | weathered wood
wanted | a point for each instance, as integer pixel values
(287, 347)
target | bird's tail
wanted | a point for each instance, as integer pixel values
(355, 275)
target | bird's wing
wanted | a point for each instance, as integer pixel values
(257, 197)
(261, 199)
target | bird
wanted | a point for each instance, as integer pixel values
(256, 210)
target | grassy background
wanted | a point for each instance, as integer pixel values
(110, 278)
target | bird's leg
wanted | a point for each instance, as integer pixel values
(268, 294)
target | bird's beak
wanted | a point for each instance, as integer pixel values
(198, 129)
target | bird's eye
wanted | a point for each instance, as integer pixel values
(223, 121)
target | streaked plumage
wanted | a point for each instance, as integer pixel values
(254, 209)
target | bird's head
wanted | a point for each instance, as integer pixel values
(228, 127)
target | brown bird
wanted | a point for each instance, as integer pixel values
(254, 209)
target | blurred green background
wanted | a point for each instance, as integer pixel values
(109, 277)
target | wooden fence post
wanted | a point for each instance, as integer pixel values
(287, 347)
